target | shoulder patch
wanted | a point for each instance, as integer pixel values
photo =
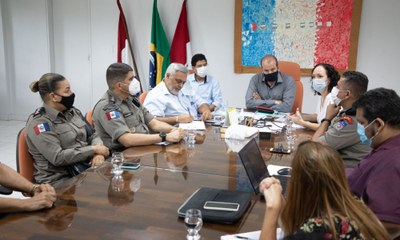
(338, 125)
(42, 127)
(346, 119)
(112, 115)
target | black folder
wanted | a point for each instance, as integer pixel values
(201, 195)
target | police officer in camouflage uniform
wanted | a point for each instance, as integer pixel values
(339, 129)
(56, 133)
(120, 119)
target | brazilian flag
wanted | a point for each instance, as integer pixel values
(159, 49)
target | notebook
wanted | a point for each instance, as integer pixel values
(255, 167)
(204, 194)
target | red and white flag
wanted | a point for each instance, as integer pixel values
(124, 51)
(181, 51)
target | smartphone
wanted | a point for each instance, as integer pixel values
(280, 150)
(265, 109)
(221, 206)
(130, 166)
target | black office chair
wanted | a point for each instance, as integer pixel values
(5, 191)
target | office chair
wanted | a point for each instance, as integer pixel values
(143, 96)
(24, 158)
(89, 117)
(293, 69)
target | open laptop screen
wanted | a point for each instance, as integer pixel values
(253, 163)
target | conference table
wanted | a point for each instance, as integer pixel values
(143, 203)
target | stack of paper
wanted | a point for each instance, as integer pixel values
(198, 125)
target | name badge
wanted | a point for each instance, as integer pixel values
(128, 114)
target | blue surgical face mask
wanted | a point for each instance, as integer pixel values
(319, 84)
(361, 133)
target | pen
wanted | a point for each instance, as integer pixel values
(241, 237)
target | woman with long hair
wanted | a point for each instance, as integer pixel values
(319, 204)
(324, 78)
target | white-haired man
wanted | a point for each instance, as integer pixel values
(170, 103)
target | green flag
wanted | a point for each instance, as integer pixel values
(159, 49)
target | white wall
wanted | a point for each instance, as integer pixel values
(4, 100)
(211, 26)
(26, 54)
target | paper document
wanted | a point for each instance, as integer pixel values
(198, 125)
(250, 235)
(273, 169)
(240, 132)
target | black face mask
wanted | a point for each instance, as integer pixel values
(272, 77)
(68, 101)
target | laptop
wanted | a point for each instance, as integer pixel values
(255, 167)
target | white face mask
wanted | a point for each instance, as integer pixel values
(334, 96)
(319, 84)
(134, 87)
(201, 71)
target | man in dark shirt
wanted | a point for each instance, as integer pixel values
(376, 179)
(271, 87)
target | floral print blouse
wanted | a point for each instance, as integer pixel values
(314, 228)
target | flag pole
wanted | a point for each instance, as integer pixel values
(129, 44)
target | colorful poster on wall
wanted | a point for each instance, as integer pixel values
(303, 31)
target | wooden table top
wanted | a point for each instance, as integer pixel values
(144, 204)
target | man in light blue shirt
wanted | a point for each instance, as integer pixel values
(171, 105)
(203, 84)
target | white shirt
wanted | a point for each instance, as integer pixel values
(321, 110)
(160, 102)
(209, 90)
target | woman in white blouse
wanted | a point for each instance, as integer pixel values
(324, 77)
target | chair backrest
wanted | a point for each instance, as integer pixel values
(293, 69)
(89, 117)
(142, 96)
(24, 158)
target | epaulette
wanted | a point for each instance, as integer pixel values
(136, 102)
(39, 112)
(78, 111)
(110, 106)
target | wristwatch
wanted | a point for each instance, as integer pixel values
(163, 136)
(326, 120)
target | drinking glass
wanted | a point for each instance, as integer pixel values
(193, 222)
(190, 136)
(117, 158)
(291, 140)
(117, 183)
(288, 122)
